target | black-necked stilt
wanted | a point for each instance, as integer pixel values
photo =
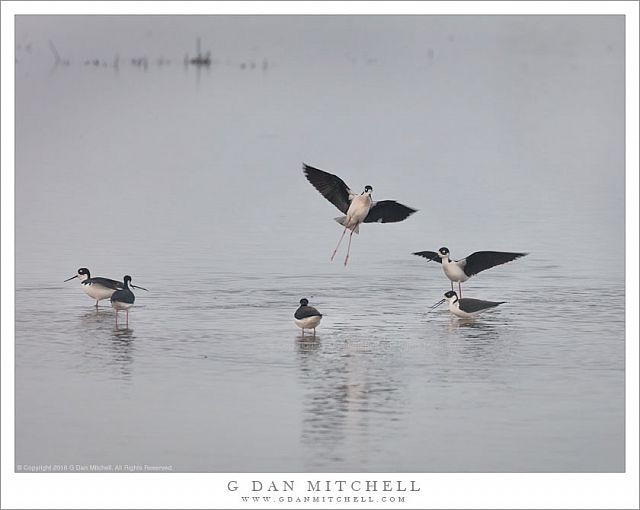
(307, 317)
(465, 307)
(463, 269)
(98, 288)
(123, 299)
(357, 208)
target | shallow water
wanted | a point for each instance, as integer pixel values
(191, 182)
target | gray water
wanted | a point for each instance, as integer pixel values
(507, 133)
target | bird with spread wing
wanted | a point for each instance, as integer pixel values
(357, 208)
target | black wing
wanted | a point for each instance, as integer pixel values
(481, 260)
(388, 211)
(430, 255)
(330, 186)
(105, 282)
(306, 311)
(471, 305)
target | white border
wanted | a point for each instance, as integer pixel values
(209, 490)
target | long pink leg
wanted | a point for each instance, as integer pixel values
(460, 289)
(346, 259)
(341, 237)
(116, 318)
(127, 312)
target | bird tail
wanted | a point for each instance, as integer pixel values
(343, 221)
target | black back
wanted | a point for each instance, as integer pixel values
(388, 211)
(481, 260)
(124, 295)
(105, 282)
(306, 311)
(471, 305)
(330, 186)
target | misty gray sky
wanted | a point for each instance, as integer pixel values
(510, 115)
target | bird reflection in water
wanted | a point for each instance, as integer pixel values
(306, 345)
(486, 342)
(344, 392)
(106, 345)
(95, 318)
(475, 328)
(121, 350)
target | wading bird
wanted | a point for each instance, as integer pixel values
(123, 299)
(465, 307)
(97, 287)
(356, 208)
(307, 317)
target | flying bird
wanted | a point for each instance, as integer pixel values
(357, 208)
(307, 317)
(465, 307)
(463, 269)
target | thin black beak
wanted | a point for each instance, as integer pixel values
(433, 307)
(71, 278)
(141, 288)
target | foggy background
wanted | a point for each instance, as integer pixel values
(505, 132)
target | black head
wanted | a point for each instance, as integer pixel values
(443, 251)
(368, 189)
(450, 294)
(83, 273)
(126, 279)
(304, 302)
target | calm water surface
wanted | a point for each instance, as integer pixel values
(191, 182)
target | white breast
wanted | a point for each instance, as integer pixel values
(97, 292)
(453, 271)
(358, 209)
(455, 310)
(118, 305)
(308, 322)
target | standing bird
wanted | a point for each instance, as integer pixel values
(98, 288)
(463, 269)
(357, 208)
(307, 317)
(123, 299)
(465, 307)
